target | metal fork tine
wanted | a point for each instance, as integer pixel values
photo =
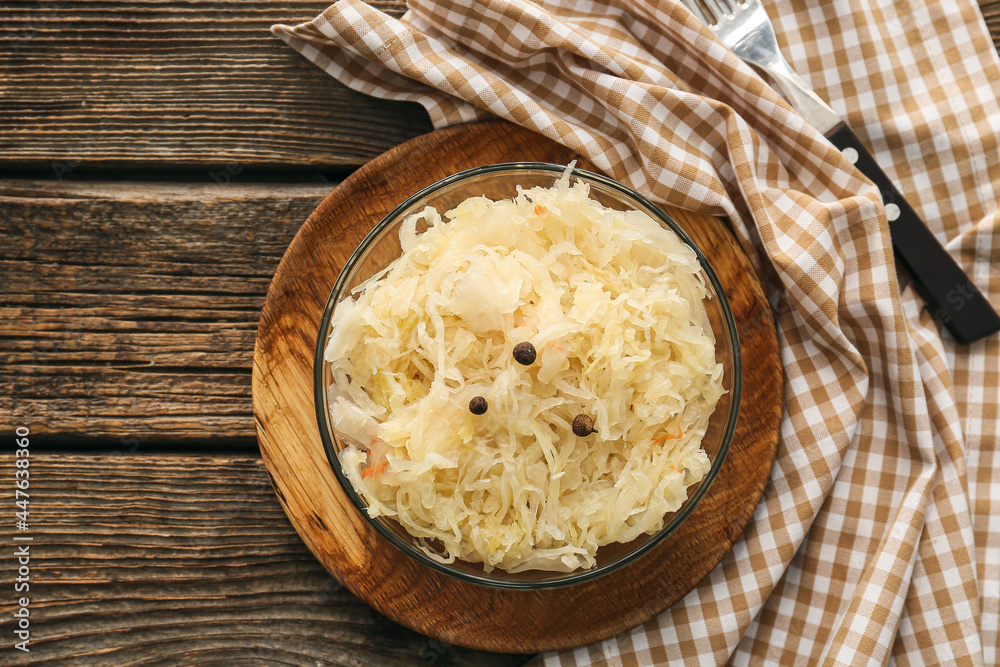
(714, 7)
(696, 10)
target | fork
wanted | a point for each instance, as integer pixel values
(744, 27)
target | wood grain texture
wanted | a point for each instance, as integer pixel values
(433, 603)
(187, 82)
(129, 310)
(991, 14)
(183, 560)
(179, 82)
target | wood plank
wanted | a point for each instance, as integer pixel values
(991, 13)
(197, 83)
(130, 309)
(179, 82)
(183, 559)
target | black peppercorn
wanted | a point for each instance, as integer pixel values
(524, 353)
(478, 405)
(583, 426)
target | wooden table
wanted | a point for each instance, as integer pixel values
(155, 160)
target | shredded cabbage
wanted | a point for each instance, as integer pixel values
(612, 302)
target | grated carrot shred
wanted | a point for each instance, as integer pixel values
(374, 470)
(540, 210)
(680, 434)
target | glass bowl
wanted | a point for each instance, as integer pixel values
(381, 246)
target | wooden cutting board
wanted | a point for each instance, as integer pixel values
(385, 578)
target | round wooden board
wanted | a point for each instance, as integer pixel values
(382, 576)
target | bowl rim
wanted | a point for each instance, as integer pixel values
(564, 579)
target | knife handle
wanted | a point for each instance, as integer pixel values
(951, 297)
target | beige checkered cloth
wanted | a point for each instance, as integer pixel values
(878, 538)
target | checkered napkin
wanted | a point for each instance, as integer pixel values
(878, 537)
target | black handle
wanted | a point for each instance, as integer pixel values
(951, 297)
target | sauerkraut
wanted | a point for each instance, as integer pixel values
(613, 304)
